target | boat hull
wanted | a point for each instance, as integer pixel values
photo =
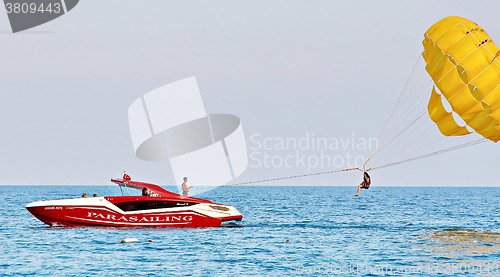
(99, 211)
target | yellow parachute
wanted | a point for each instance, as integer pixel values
(462, 60)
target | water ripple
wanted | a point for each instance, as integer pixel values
(285, 231)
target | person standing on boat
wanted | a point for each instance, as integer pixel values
(365, 184)
(185, 188)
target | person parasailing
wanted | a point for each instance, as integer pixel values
(365, 184)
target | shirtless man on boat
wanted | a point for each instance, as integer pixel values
(185, 188)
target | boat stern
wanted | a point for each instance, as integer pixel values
(219, 211)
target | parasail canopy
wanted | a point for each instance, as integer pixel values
(462, 60)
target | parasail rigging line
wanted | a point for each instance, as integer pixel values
(406, 95)
(286, 177)
(456, 147)
(363, 168)
(403, 92)
(395, 137)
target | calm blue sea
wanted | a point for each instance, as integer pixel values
(291, 231)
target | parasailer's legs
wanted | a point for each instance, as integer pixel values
(359, 189)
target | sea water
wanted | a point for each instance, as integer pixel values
(291, 231)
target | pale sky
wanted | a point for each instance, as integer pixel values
(287, 69)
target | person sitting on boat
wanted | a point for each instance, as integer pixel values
(84, 195)
(145, 192)
(185, 188)
(365, 184)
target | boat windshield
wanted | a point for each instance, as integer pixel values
(152, 190)
(150, 204)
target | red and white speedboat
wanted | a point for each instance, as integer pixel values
(161, 209)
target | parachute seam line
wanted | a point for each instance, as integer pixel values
(447, 54)
(443, 57)
(489, 65)
(460, 62)
(477, 119)
(461, 23)
(491, 92)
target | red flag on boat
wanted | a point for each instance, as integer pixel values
(126, 177)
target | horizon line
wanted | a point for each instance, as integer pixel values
(253, 185)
